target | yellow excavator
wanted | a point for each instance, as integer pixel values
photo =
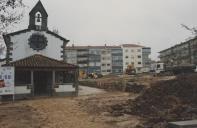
(130, 70)
(82, 74)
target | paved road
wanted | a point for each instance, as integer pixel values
(84, 90)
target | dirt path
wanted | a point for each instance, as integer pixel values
(101, 107)
(86, 111)
(46, 113)
(64, 113)
(84, 90)
(19, 115)
(49, 113)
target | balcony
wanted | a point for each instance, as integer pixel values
(82, 61)
(82, 55)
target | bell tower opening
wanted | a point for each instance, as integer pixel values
(38, 21)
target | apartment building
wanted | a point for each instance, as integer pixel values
(78, 56)
(71, 56)
(132, 55)
(94, 60)
(117, 60)
(181, 54)
(108, 59)
(83, 58)
(146, 61)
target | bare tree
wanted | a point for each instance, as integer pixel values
(11, 11)
(193, 30)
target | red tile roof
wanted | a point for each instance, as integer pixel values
(131, 45)
(92, 47)
(102, 47)
(40, 61)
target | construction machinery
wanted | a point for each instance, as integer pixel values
(161, 68)
(130, 70)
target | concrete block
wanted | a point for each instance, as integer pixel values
(183, 124)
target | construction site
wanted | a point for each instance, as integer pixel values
(98, 64)
(140, 101)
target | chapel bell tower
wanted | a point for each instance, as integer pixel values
(38, 18)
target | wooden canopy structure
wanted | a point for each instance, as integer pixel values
(42, 74)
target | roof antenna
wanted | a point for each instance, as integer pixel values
(73, 45)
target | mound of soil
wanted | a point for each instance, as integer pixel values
(166, 101)
(134, 87)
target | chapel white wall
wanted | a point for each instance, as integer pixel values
(21, 47)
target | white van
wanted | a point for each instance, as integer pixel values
(157, 67)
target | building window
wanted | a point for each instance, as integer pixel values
(22, 78)
(139, 62)
(108, 64)
(139, 56)
(158, 66)
(103, 52)
(64, 77)
(38, 20)
(126, 57)
(103, 64)
(108, 70)
(139, 50)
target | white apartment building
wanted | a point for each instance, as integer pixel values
(132, 55)
(71, 56)
(108, 59)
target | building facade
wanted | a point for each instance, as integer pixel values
(36, 53)
(94, 60)
(110, 59)
(132, 55)
(106, 61)
(182, 54)
(117, 60)
(146, 61)
(71, 56)
(83, 59)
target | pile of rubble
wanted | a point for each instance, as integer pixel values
(134, 87)
(165, 101)
(115, 85)
(107, 85)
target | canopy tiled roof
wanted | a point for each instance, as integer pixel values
(40, 61)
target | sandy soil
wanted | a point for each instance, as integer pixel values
(99, 106)
(84, 91)
(90, 110)
(46, 113)
(85, 111)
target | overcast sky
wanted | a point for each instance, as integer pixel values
(152, 23)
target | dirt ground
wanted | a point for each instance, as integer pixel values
(91, 109)
(78, 112)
